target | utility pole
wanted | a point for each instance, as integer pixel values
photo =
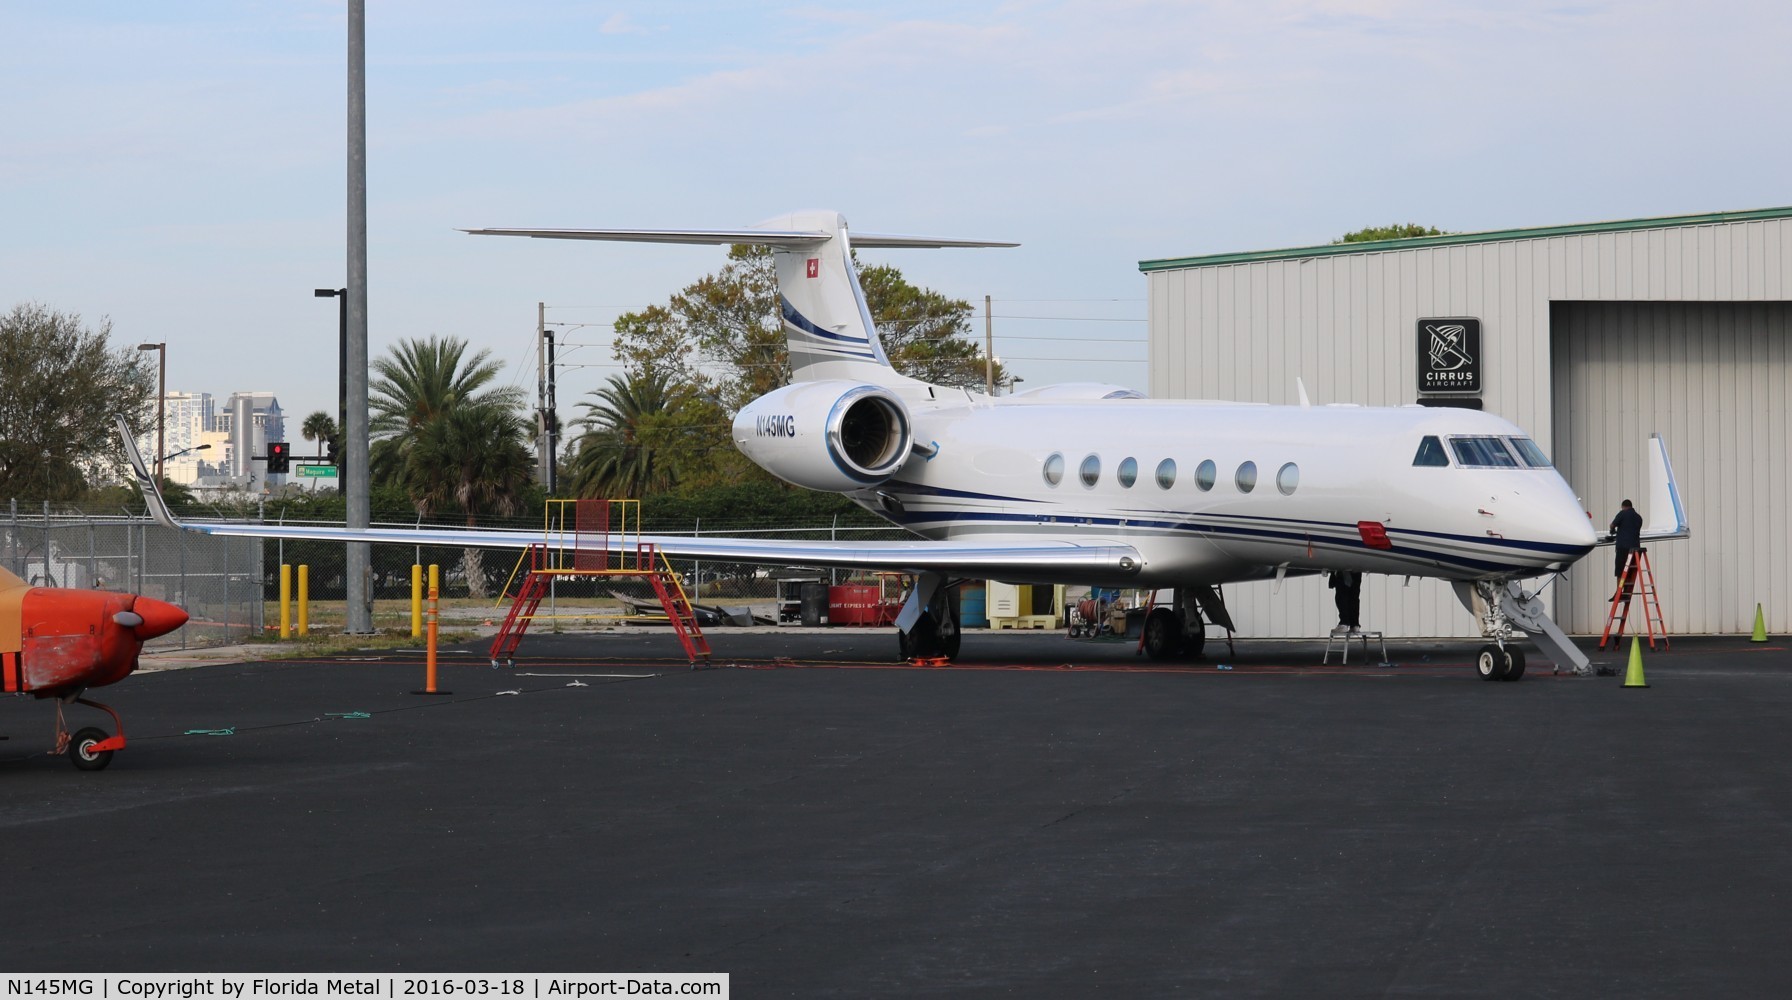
(989, 350)
(552, 420)
(541, 394)
(359, 561)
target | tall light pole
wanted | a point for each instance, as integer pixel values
(354, 432)
(341, 297)
(161, 397)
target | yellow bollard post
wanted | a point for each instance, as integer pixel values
(286, 600)
(416, 600)
(304, 599)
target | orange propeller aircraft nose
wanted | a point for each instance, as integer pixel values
(57, 642)
(156, 618)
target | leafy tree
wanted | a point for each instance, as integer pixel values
(925, 333)
(1396, 232)
(63, 382)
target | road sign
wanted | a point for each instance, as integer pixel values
(315, 471)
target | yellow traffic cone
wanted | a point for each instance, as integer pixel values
(1760, 626)
(1633, 677)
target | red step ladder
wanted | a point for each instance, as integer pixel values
(1637, 576)
(649, 562)
(522, 612)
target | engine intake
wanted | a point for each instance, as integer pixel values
(833, 435)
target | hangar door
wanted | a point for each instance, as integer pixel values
(1715, 378)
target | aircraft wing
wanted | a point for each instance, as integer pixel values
(1052, 561)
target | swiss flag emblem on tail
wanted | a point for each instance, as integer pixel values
(814, 267)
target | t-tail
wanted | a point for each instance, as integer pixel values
(826, 321)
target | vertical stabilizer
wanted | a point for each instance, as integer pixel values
(826, 321)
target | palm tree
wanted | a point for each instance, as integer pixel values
(319, 427)
(620, 454)
(424, 379)
(472, 458)
(447, 436)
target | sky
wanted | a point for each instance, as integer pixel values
(179, 167)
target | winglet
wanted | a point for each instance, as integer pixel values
(1667, 515)
(152, 491)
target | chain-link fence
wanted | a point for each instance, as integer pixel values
(218, 581)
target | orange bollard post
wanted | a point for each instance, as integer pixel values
(429, 655)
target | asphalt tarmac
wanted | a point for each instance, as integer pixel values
(1048, 818)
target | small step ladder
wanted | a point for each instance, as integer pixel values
(1637, 576)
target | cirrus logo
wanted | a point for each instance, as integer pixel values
(776, 425)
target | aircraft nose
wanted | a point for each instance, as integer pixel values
(158, 618)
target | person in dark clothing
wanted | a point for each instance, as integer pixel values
(1347, 587)
(1627, 536)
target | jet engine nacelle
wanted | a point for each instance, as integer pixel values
(833, 435)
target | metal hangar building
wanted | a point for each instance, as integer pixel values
(1588, 336)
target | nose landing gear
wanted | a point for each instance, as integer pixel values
(90, 749)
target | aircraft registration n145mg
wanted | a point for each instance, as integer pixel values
(1029, 488)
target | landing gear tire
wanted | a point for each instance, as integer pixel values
(1163, 635)
(80, 750)
(1492, 663)
(929, 638)
(1514, 664)
(1194, 643)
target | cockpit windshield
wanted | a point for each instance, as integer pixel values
(1431, 453)
(1529, 452)
(1482, 453)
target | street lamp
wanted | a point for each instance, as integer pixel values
(161, 396)
(341, 297)
(183, 451)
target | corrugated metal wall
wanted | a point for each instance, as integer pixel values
(1716, 380)
(1347, 326)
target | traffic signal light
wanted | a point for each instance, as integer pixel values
(279, 456)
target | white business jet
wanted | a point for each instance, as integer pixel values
(1096, 484)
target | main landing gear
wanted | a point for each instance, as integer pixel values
(927, 627)
(1179, 631)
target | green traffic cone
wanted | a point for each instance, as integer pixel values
(1760, 626)
(1633, 677)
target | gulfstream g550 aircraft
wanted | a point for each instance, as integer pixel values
(1033, 488)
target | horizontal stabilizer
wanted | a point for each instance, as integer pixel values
(793, 238)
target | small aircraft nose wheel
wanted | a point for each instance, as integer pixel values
(1491, 663)
(1500, 663)
(81, 751)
